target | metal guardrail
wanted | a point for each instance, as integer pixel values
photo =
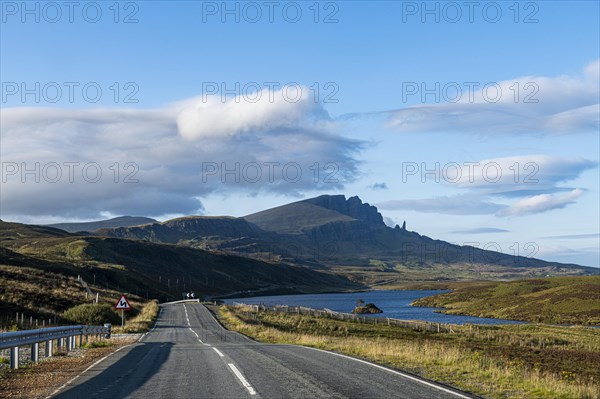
(13, 340)
(197, 300)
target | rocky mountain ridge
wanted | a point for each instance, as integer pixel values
(332, 231)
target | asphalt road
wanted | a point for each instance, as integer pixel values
(190, 355)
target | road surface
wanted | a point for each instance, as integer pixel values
(190, 355)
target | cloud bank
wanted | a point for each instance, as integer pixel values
(534, 184)
(526, 104)
(481, 230)
(80, 163)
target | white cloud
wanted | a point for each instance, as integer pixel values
(210, 117)
(480, 230)
(541, 203)
(167, 150)
(449, 205)
(389, 221)
(535, 180)
(476, 204)
(513, 176)
(573, 236)
(526, 104)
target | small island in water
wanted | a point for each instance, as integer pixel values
(369, 308)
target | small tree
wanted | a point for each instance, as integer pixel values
(360, 302)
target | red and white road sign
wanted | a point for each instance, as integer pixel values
(123, 303)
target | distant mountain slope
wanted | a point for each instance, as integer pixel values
(157, 270)
(345, 235)
(299, 217)
(122, 221)
(352, 207)
(11, 231)
(185, 228)
(295, 218)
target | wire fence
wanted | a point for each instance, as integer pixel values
(416, 325)
(22, 321)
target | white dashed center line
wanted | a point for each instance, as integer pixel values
(218, 352)
(242, 379)
(235, 370)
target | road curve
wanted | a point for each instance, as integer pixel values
(190, 355)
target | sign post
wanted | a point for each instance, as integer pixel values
(123, 305)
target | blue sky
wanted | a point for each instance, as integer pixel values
(529, 102)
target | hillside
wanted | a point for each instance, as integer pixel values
(148, 269)
(122, 221)
(302, 216)
(43, 295)
(347, 237)
(187, 228)
(556, 300)
(295, 218)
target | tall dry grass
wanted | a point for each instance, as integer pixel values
(441, 360)
(142, 321)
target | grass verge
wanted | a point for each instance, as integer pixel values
(142, 321)
(533, 361)
(554, 300)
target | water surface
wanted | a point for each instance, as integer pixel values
(395, 304)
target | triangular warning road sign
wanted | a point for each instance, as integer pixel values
(123, 303)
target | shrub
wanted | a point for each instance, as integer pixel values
(92, 314)
(97, 344)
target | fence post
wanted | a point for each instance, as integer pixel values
(14, 357)
(49, 348)
(35, 350)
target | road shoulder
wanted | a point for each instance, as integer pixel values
(40, 380)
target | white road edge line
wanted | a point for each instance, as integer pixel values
(410, 377)
(242, 379)
(153, 327)
(218, 352)
(63, 386)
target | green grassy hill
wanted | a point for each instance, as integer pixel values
(54, 258)
(556, 300)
